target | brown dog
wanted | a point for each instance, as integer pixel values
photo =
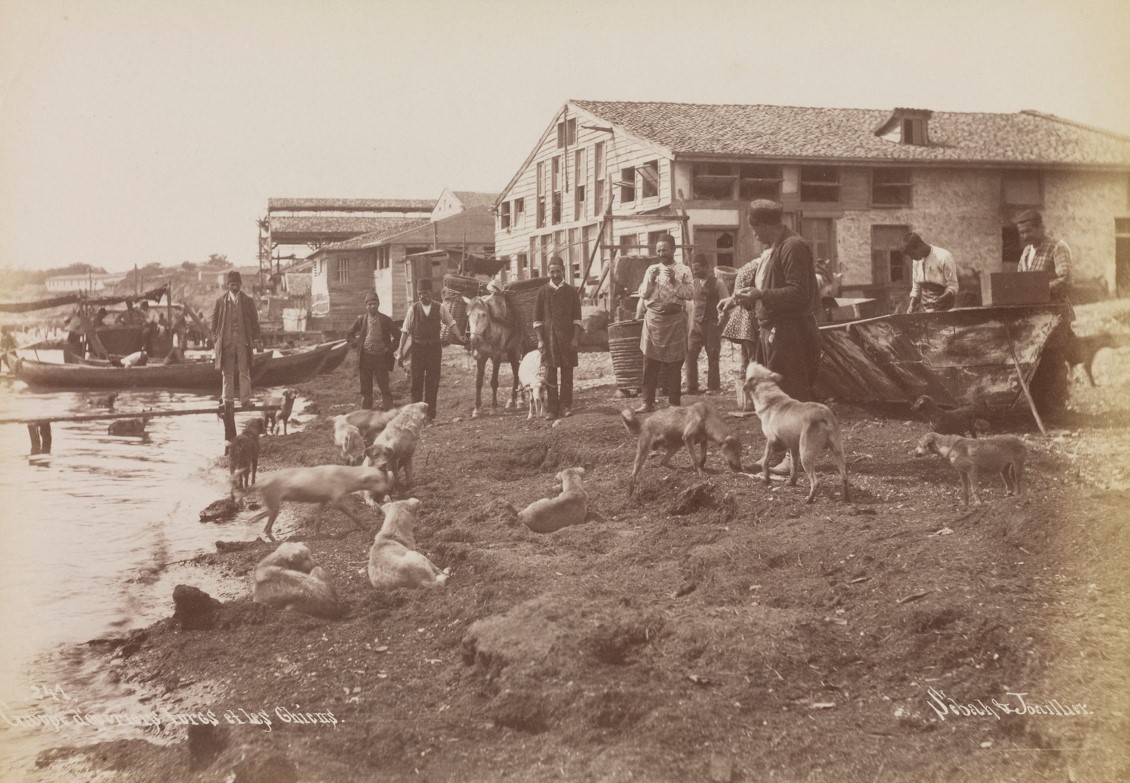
(371, 423)
(804, 429)
(1081, 351)
(393, 559)
(958, 421)
(243, 455)
(1003, 454)
(394, 448)
(568, 508)
(326, 485)
(283, 405)
(673, 428)
(288, 578)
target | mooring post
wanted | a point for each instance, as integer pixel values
(36, 443)
(45, 436)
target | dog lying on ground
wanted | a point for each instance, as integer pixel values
(371, 423)
(284, 403)
(959, 421)
(673, 428)
(1081, 351)
(288, 578)
(349, 439)
(531, 379)
(804, 429)
(326, 485)
(393, 559)
(128, 426)
(568, 508)
(243, 455)
(1003, 454)
(394, 448)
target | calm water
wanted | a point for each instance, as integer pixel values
(92, 536)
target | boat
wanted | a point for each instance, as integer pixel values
(966, 356)
(338, 352)
(294, 367)
(196, 376)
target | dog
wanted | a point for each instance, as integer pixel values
(289, 579)
(673, 428)
(349, 439)
(394, 448)
(959, 421)
(279, 407)
(568, 508)
(393, 561)
(326, 485)
(531, 378)
(1081, 351)
(371, 423)
(1003, 454)
(804, 429)
(243, 455)
(134, 427)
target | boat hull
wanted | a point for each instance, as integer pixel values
(195, 376)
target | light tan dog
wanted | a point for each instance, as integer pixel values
(349, 439)
(531, 379)
(288, 578)
(326, 485)
(394, 448)
(371, 422)
(568, 508)
(804, 429)
(393, 559)
(673, 428)
(1004, 454)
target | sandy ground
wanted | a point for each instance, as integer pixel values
(708, 629)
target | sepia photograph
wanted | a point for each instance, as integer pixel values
(591, 391)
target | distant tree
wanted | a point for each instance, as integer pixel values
(218, 260)
(75, 269)
(188, 266)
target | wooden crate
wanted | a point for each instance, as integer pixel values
(1015, 288)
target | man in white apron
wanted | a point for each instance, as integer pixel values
(666, 288)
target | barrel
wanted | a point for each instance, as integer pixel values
(627, 358)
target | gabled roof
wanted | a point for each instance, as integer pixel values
(474, 198)
(392, 228)
(374, 204)
(798, 132)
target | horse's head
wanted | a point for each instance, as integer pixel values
(478, 320)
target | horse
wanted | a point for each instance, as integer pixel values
(495, 332)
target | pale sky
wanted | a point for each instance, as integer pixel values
(134, 132)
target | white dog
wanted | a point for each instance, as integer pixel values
(568, 508)
(349, 439)
(326, 485)
(393, 559)
(288, 578)
(371, 422)
(531, 378)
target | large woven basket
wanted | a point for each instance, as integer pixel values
(627, 358)
(522, 294)
(455, 287)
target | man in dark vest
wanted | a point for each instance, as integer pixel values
(705, 332)
(420, 342)
(235, 328)
(375, 337)
(557, 322)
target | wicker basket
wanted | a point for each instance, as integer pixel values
(455, 287)
(627, 358)
(522, 294)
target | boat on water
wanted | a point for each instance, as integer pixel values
(195, 376)
(295, 367)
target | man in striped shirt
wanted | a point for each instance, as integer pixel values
(1044, 253)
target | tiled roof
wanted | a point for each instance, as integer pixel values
(281, 226)
(791, 132)
(420, 204)
(472, 198)
(393, 227)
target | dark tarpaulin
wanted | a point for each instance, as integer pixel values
(61, 301)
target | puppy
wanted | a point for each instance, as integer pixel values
(288, 578)
(371, 422)
(568, 508)
(673, 428)
(805, 429)
(959, 421)
(1003, 454)
(348, 438)
(1081, 351)
(326, 485)
(393, 561)
(283, 404)
(243, 456)
(128, 426)
(394, 448)
(531, 378)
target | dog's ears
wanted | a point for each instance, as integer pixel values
(468, 301)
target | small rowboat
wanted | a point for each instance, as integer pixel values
(197, 376)
(296, 367)
(338, 352)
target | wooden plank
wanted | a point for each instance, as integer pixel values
(135, 415)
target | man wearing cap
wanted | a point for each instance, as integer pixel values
(933, 275)
(235, 327)
(557, 322)
(1044, 253)
(705, 331)
(664, 293)
(375, 337)
(420, 341)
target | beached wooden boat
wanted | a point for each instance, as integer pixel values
(958, 357)
(338, 352)
(199, 376)
(295, 367)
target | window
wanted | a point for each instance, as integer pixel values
(628, 245)
(820, 184)
(341, 271)
(555, 218)
(888, 264)
(890, 188)
(504, 216)
(717, 244)
(653, 240)
(522, 272)
(543, 255)
(580, 178)
(914, 131)
(817, 232)
(573, 258)
(556, 173)
(598, 174)
(541, 194)
(627, 185)
(541, 212)
(519, 211)
(649, 179)
(713, 181)
(758, 181)
(1010, 245)
(567, 133)
(1022, 189)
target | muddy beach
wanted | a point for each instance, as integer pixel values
(708, 629)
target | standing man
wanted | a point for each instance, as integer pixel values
(235, 328)
(933, 275)
(664, 292)
(705, 332)
(375, 337)
(1044, 253)
(557, 322)
(420, 340)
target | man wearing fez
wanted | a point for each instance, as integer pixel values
(785, 296)
(705, 331)
(420, 341)
(933, 275)
(557, 322)
(235, 328)
(375, 337)
(1044, 253)
(664, 292)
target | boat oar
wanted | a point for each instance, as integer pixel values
(1024, 385)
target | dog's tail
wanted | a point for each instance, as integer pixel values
(628, 416)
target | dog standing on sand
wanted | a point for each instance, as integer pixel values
(289, 579)
(804, 429)
(326, 485)
(349, 440)
(568, 508)
(394, 448)
(675, 427)
(277, 409)
(1004, 454)
(243, 455)
(393, 559)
